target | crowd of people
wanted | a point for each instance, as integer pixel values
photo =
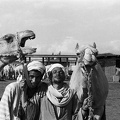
(30, 98)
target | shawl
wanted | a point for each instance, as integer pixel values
(60, 97)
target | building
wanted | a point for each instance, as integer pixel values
(108, 61)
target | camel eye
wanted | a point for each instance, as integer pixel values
(6, 37)
(77, 54)
(9, 39)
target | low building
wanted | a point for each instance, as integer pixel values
(108, 61)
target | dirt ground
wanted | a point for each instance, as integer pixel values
(112, 102)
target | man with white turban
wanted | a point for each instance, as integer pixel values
(60, 102)
(21, 99)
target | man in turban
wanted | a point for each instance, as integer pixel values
(21, 99)
(60, 102)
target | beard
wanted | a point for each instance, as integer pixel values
(57, 80)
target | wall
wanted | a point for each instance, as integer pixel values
(109, 65)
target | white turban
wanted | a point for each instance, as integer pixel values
(36, 65)
(54, 66)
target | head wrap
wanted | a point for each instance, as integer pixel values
(54, 66)
(36, 65)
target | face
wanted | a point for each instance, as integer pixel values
(58, 75)
(34, 78)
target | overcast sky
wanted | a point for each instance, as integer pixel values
(60, 24)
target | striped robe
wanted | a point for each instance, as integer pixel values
(9, 102)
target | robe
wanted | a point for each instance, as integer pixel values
(10, 101)
(67, 112)
(32, 108)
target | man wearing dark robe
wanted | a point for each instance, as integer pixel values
(60, 102)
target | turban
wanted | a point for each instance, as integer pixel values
(54, 66)
(36, 65)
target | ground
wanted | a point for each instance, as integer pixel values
(112, 103)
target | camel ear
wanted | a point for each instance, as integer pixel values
(94, 45)
(77, 48)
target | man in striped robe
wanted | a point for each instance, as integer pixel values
(21, 99)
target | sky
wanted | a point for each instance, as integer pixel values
(60, 24)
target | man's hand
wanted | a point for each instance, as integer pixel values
(85, 107)
(42, 89)
(87, 103)
(41, 93)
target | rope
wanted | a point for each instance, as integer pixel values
(89, 85)
(90, 101)
(24, 75)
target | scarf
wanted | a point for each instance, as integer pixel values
(60, 97)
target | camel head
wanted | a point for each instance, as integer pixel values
(11, 43)
(87, 54)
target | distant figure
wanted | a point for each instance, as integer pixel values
(117, 72)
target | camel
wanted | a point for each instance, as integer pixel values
(89, 81)
(18, 70)
(6, 72)
(12, 45)
(13, 48)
